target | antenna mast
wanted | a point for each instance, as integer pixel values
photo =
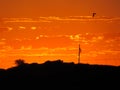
(79, 54)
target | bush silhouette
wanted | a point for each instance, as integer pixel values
(19, 62)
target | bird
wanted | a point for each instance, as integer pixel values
(93, 14)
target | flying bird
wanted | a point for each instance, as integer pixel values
(93, 15)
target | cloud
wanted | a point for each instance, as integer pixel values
(22, 27)
(76, 37)
(29, 20)
(3, 39)
(69, 18)
(10, 28)
(26, 48)
(81, 18)
(33, 28)
(43, 52)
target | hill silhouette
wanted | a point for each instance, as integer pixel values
(59, 74)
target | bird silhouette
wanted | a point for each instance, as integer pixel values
(93, 15)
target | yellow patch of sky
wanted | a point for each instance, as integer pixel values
(33, 28)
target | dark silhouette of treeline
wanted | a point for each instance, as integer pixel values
(58, 74)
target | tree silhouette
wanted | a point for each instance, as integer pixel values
(19, 62)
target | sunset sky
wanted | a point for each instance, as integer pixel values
(35, 8)
(40, 30)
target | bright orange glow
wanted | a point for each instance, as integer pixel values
(40, 30)
(52, 38)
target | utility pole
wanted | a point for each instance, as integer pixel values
(79, 51)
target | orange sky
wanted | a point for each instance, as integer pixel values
(40, 30)
(35, 8)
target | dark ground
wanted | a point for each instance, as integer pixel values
(60, 75)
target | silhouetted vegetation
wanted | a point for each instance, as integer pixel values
(19, 62)
(53, 74)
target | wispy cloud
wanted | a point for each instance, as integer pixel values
(69, 18)
(83, 18)
(26, 48)
(31, 20)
